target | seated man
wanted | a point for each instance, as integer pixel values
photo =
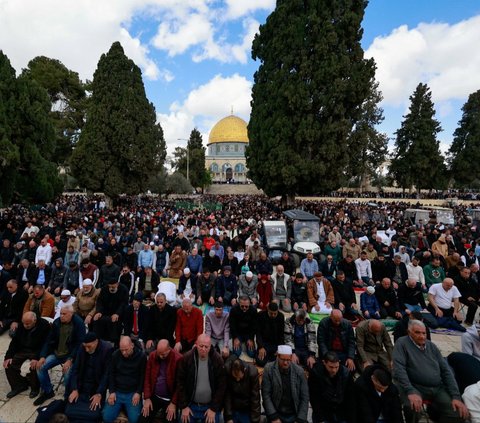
(206, 288)
(282, 288)
(242, 396)
(369, 304)
(270, 334)
(377, 398)
(243, 326)
(217, 327)
(226, 287)
(440, 298)
(60, 348)
(86, 301)
(299, 293)
(135, 319)
(247, 285)
(88, 383)
(281, 402)
(159, 387)
(332, 395)
(345, 299)
(12, 301)
(471, 341)
(374, 344)
(421, 373)
(111, 303)
(336, 334)
(162, 318)
(320, 294)
(66, 298)
(470, 292)
(187, 286)
(25, 345)
(41, 302)
(188, 327)
(387, 300)
(401, 327)
(126, 377)
(198, 399)
(300, 335)
(410, 299)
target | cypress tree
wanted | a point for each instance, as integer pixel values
(465, 149)
(121, 146)
(307, 94)
(417, 159)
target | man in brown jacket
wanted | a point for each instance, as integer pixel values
(85, 304)
(178, 261)
(41, 302)
(320, 294)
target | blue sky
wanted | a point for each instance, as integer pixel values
(195, 54)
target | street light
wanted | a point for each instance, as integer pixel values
(188, 158)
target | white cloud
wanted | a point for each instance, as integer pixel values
(204, 106)
(444, 56)
(76, 33)
(238, 8)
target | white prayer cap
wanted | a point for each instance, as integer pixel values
(371, 290)
(186, 271)
(284, 350)
(87, 282)
(65, 293)
(249, 274)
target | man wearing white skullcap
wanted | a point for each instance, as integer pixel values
(284, 389)
(66, 298)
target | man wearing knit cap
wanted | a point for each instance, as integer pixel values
(89, 379)
(284, 389)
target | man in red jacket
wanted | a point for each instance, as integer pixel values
(159, 387)
(189, 326)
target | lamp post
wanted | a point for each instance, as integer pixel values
(188, 158)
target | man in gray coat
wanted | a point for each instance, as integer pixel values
(285, 389)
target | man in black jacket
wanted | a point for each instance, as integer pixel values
(125, 382)
(111, 303)
(377, 396)
(12, 302)
(198, 401)
(331, 390)
(162, 318)
(25, 345)
(387, 299)
(88, 382)
(270, 330)
(243, 326)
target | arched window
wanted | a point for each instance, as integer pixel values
(214, 167)
(239, 168)
(226, 166)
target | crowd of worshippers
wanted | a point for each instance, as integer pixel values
(77, 283)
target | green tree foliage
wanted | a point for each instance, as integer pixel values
(417, 159)
(27, 139)
(367, 146)
(176, 183)
(307, 94)
(121, 145)
(198, 175)
(465, 149)
(68, 98)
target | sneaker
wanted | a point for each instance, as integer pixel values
(44, 397)
(16, 391)
(33, 393)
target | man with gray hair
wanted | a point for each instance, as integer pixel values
(421, 373)
(282, 288)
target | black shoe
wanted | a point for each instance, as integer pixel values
(16, 391)
(33, 393)
(44, 397)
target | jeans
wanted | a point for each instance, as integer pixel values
(111, 412)
(51, 361)
(240, 417)
(238, 351)
(198, 414)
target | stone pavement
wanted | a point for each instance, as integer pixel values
(21, 409)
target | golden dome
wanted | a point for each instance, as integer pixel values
(229, 129)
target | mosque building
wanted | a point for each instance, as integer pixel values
(225, 155)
